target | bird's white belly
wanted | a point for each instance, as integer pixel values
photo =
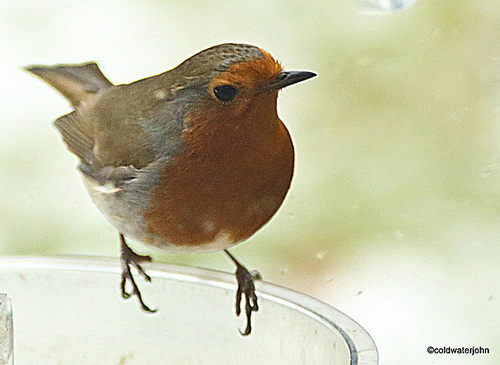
(124, 209)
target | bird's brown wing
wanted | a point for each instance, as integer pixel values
(78, 135)
(80, 84)
(115, 126)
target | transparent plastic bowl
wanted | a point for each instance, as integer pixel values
(69, 311)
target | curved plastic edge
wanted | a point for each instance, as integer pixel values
(361, 346)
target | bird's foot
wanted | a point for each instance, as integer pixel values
(130, 258)
(246, 287)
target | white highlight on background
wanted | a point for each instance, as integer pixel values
(382, 6)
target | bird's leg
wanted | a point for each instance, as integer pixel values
(246, 287)
(130, 258)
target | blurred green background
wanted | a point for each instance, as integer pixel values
(394, 212)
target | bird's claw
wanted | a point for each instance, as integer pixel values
(246, 287)
(130, 258)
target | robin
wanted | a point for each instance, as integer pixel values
(194, 159)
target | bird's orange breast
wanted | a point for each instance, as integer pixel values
(230, 180)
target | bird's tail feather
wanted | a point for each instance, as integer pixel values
(75, 82)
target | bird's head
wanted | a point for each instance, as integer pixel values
(233, 81)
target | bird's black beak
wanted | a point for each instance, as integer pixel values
(287, 78)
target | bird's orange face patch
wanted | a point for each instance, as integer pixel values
(250, 75)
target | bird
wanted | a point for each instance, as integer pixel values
(194, 159)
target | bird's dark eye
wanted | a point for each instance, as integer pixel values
(225, 92)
